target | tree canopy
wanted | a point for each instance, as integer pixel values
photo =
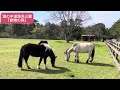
(69, 28)
(115, 30)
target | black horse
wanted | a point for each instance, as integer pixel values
(36, 50)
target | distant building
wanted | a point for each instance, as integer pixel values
(88, 37)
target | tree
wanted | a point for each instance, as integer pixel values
(18, 30)
(8, 29)
(2, 27)
(64, 25)
(71, 18)
(115, 30)
(36, 23)
(51, 30)
(98, 30)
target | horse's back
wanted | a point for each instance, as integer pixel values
(33, 49)
(82, 44)
(83, 47)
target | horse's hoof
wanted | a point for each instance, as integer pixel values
(91, 61)
(38, 67)
(77, 61)
(21, 68)
(87, 61)
(29, 68)
(53, 65)
(45, 68)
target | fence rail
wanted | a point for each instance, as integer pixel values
(114, 49)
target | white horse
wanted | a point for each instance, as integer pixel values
(80, 48)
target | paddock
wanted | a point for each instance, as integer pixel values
(103, 66)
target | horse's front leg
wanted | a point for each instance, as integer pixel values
(77, 57)
(26, 59)
(38, 66)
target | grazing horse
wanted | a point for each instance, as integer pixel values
(36, 50)
(80, 48)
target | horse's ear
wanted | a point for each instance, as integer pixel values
(55, 56)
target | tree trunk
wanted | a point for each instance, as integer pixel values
(66, 36)
(67, 41)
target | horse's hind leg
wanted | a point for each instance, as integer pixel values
(26, 59)
(92, 55)
(45, 63)
(38, 66)
(91, 59)
(88, 58)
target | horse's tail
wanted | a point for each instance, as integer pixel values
(93, 52)
(20, 58)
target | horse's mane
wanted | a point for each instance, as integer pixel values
(71, 48)
(46, 45)
(66, 51)
(75, 44)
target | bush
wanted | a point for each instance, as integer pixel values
(4, 35)
(29, 36)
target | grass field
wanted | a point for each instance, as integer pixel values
(103, 66)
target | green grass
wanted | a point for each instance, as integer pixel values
(103, 66)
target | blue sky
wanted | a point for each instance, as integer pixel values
(106, 17)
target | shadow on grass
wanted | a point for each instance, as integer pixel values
(94, 63)
(48, 71)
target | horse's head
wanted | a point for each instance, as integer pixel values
(66, 51)
(67, 55)
(53, 61)
(53, 58)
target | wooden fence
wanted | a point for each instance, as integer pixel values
(114, 49)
